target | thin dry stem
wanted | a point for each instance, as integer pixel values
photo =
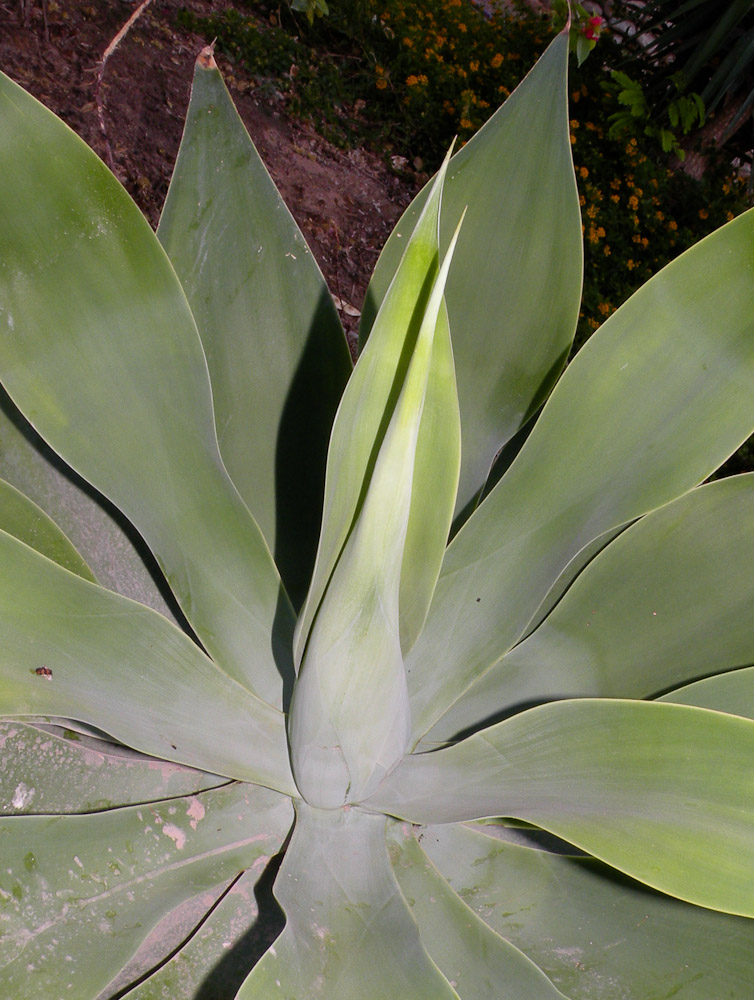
(114, 43)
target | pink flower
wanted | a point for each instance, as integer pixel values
(592, 29)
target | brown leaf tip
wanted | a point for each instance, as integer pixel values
(206, 58)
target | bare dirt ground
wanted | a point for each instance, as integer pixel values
(346, 202)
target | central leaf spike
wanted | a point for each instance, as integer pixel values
(350, 720)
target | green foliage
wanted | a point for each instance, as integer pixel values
(312, 8)
(475, 759)
(638, 213)
(700, 52)
(684, 112)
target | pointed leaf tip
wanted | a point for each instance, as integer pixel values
(206, 58)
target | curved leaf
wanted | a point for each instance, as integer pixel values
(353, 653)
(349, 932)
(514, 289)
(99, 349)
(75, 650)
(276, 352)
(664, 793)
(667, 602)
(669, 374)
(108, 543)
(218, 955)
(732, 693)
(597, 934)
(479, 964)
(23, 519)
(45, 770)
(365, 413)
(78, 894)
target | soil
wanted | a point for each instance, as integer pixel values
(131, 112)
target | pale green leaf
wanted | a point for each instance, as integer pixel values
(220, 952)
(436, 469)
(46, 769)
(73, 649)
(479, 964)
(597, 934)
(105, 539)
(276, 352)
(664, 793)
(731, 692)
(338, 756)
(99, 350)
(349, 932)
(513, 293)
(79, 894)
(654, 402)
(365, 413)
(23, 519)
(667, 602)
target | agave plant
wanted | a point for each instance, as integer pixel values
(361, 761)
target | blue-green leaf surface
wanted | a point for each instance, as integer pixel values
(664, 793)
(597, 934)
(654, 402)
(99, 350)
(513, 293)
(667, 602)
(349, 931)
(50, 770)
(73, 649)
(23, 519)
(79, 894)
(353, 655)
(276, 352)
(479, 964)
(364, 416)
(731, 692)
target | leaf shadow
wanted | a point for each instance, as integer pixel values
(227, 976)
(47, 457)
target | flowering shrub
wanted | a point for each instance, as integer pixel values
(637, 213)
(406, 75)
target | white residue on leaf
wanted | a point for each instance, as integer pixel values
(22, 796)
(175, 833)
(195, 812)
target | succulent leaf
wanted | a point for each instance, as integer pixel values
(513, 294)
(353, 652)
(92, 314)
(662, 792)
(349, 927)
(595, 933)
(73, 649)
(22, 518)
(277, 356)
(653, 403)
(639, 619)
(479, 963)
(114, 874)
